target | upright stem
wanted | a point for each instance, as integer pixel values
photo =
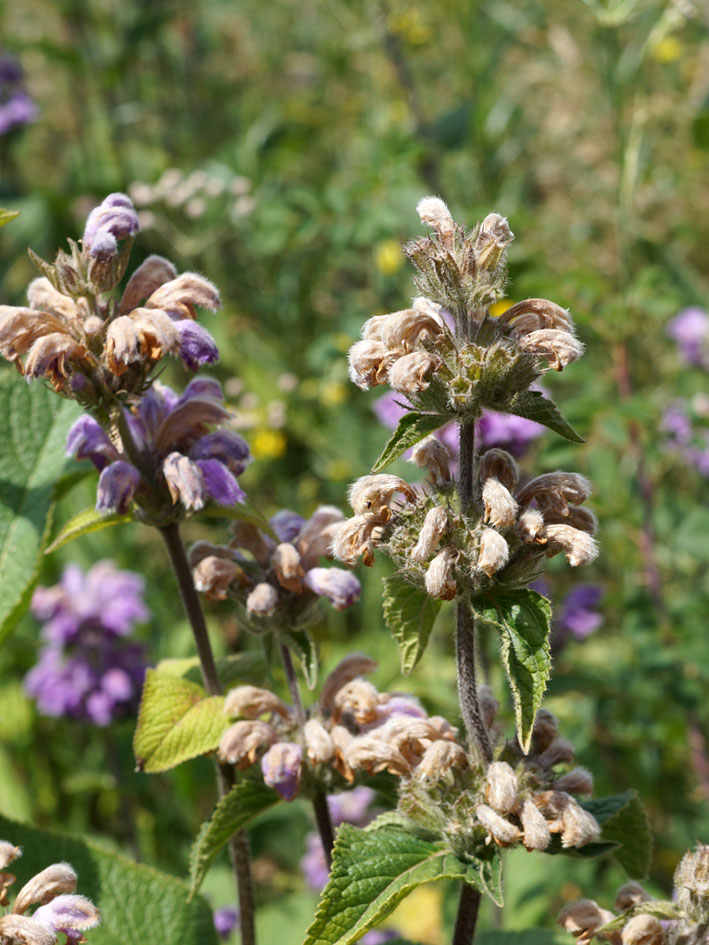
(467, 917)
(239, 843)
(320, 807)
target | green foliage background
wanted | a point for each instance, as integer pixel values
(587, 124)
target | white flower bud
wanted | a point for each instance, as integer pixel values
(432, 530)
(494, 552)
(372, 755)
(433, 212)
(502, 787)
(400, 331)
(263, 600)
(536, 830)
(356, 537)
(369, 363)
(579, 547)
(502, 831)
(22, 929)
(493, 238)
(239, 745)
(531, 526)
(643, 930)
(373, 494)
(533, 314)
(440, 577)
(285, 562)
(213, 575)
(500, 506)
(357, 699)
(439, 758)
(434, 456)
(411, 373)
(579, 826)
(318, 744)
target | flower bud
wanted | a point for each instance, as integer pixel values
(502, 831)
(281, 767)
(145, 334)
(433, 212)
(555, 491)
(251, 539)
(500, 506)
(559, 347)
(578, 781)
(494, 236)
(434, 456)
(55, 879)
(691, 883)
(48, 357)
(374, 494)
(502, 787)
(536, 830)
(440, 758)
(494, 552)
(116, 487)
(372, 755)
(400, 331)
(577, 517)
(315, 536)
(240, 743)
(184, 481)
(579, 547)
(285, 561)
(181, 297)
(196, 346)
(352, 666)
(213, 575)
(262, 601)
(531, 527)
(440, 577)
(249, 702)
(630, 895)
(43, 297)
(432, 530)
(287, 525)
(318, 744)
(489, 706)
(411, 373)
(643, 930)
(579, 826)
(340, 587)
(582, 918)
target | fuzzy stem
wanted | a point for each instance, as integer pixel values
(320, 808)
(239, 843)
(467, 917)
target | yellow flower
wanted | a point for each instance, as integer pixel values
(419, 916)
(268, 444)
(499, 308)
(332, 393)
(388, 257)
(668, 49)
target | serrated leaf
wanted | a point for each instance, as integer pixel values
(7, 216)
(176, 721)
(35, 424)
(305, 649)
(371, 873)
(138, 904)
(230, 669)
(84, 523)
(412, 428)
(410, 614)
(233, 812)
(623, 821)
(533, 405)
(523, 620)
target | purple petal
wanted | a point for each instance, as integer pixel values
(202, 387)
(225, 921)
(286, 525)
(228, 447)
(86, 440)
(197, 347)
(281, 768)
(690, 329)
(116, 487)
(114, 217)
(340, 587)
(220, 483)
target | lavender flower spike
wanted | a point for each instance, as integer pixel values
(281, 766)
(116, 487)
(340, 587)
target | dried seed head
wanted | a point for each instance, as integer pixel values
(579, 547)
(440, 758)
(55, 879)
(502, 831)
(411, 373)
(369, 363)
(499, 464)
(643, 930)
(440, 576)
(285, 562)
(489, 706)
(502, 787)
(559, 347)
(352, 666)
(213, 575)
(8, 853)
(356, 537)
(357, 700)
(500, 506)
(536, 830)
(531, 527)
(434, 456)
(432, 530)
(578, 781)
(494, 552)
(579, 826)
(318, 743)
(263, 600)
(559, 751)
(147, 278)
(23, 930)
(240, 744)
(545, 730)
(249, 702)
(433, 212)
(582, 918)
(629, 895)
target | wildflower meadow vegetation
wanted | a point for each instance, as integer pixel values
(354, 543)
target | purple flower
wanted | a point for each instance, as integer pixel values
(114, 219)
(68, 913)
(86, 440)
(579, 612)
(116, 487)
(197, 347)
(685, 422)
(690, 329)
(220, 483)
(10, 70)
(281, 767)
(379, 936)
(227, 447)
(17, 111)
(340, 587)
(286, 524)
(225, 921)
(87, 668)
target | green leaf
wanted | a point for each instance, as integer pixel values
(410, 614)
(522, 618)
(527, 937)
(412, 428)
(233, 812)
(138, 904)
(7, 216)
(238, 667)
(659, 908)
(35, 424)
(623, 821)
(371, 873)
(533, 405)
(176, 721)
(307, 652)
(84, 523)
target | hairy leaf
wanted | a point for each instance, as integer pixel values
(522, 618)
(233, 812)
(35, 424)
(410, 614)
(371, 873)
(84, 523)
(533, 405)
(176, 721)
(412, 428)
(623, 821)
(138, 904)
(7, 216)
